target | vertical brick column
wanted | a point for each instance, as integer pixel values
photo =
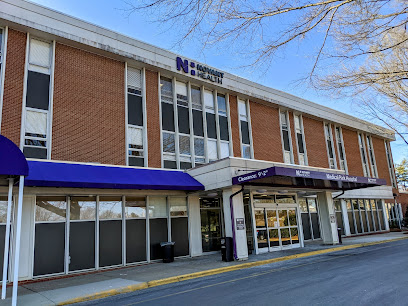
(153, 118)
(353, 155)
(266, 132)
(236, 142)
(13, 86)
(381, 159)
(88, 108)
(315, 143)
(293, 136)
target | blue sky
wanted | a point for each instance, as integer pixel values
(285, 70)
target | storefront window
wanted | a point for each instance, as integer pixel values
(303, 205)
(260, 218)
(178, 207)
(50, 209)
(135, 207)
(110, 208)
(157, 207)
(82, 208)
(3, 206)
(289, 199)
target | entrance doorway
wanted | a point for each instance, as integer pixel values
(277, 228)
(211, 224)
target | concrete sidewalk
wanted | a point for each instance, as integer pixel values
(57, 291)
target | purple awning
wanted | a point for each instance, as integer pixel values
(12, 160)
(341, 181)
(59, 174)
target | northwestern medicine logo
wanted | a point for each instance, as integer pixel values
(202, 71)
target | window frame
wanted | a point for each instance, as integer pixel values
(3, 58)
(286, 112)
(390, 163)
(302, 131)
(339, 139)
(248, 120)
(371, 156)
(32, 67)
(363, 150)
(328, 135)
(144, 150)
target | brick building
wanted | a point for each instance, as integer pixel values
(129, 145)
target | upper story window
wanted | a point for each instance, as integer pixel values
(287, 148)
(300, 140)
(202, 131)
(390, 164)
(363, 154)
(329, 143)
(37, 103)
(371, 156)
(135, 127)
(244, 128)
(340, 148)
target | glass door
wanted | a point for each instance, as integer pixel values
(211, 224)
(261, 230)
(273, 231)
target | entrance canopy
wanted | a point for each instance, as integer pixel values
(57, 174)
(299, 178)
(12, 160)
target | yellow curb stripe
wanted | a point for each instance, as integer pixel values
(180, 278)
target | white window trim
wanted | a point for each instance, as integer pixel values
(343, 147)
(373, 163)
(290, 135)
(251, 149)
(144, 115)
(230, 143)
(3, 69)
(332, 144)
(304, 138)
(50, 101)
(362, 143)
(250, 129)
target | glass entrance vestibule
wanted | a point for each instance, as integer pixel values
(77, 233)
(276, 223)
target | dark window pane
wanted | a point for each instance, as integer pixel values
(35, 153)
(341, 150)
(185, 165)
(245, 132)
(168, 117)
(170, 164)
(198, 123)
(211, 128)
(49, 248)
(158, 233)
(329, 145)
(136, 161)
(110, 243)
(179, 234)
(135, 110)
(286, 144)
(135, 240)
(183, 120)
(300, 143)
(224, 128)
(82, 245)
(38, 90)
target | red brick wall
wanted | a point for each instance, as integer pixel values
(236, 142)
(13, 86)
(381, 159)
(293, 136)
(88, 108)
(266, 132)
(153, 118)
(352, 149)
(315, 143)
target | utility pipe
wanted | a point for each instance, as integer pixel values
(232, 221)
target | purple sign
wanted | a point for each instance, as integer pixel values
(291, 172)
(199, 70)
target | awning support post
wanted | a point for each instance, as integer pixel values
(18, 236)
(7, 239)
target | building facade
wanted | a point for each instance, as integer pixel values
(84, 103)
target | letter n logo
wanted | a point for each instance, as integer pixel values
(182, 64)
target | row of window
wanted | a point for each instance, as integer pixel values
(195, 122)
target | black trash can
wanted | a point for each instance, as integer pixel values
(339, 232)
(227, 249)
(167, 251)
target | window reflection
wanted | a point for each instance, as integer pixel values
(135, 207)
(110, 208)
(82, 208)
(3, 209)
(50, 209)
